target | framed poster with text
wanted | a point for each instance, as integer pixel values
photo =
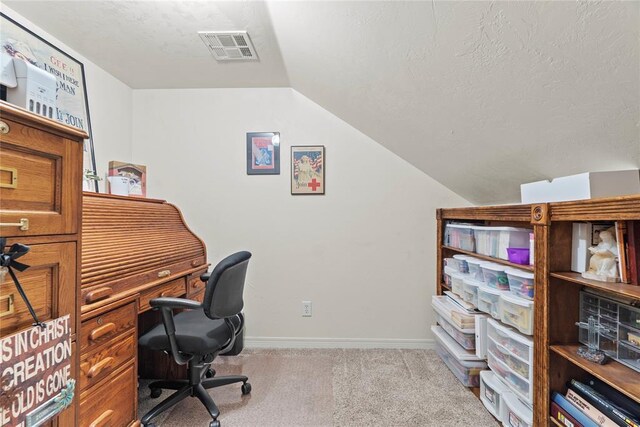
(307, 169)
(72, 107)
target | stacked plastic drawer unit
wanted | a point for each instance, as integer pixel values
(510, 357)
(456, 341)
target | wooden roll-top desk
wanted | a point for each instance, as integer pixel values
(133, 250)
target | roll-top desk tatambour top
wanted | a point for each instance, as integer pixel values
(40, 206)
(133, 250)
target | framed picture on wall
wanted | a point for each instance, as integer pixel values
(307, 169)
(71, 104)
(263, 153)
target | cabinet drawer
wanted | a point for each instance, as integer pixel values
(99, 363)
(103, 328)
(174, 288)
(112, 403)
(194, 284)
(39, 181)
(49, 283)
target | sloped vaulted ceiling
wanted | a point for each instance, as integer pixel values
(482, 96)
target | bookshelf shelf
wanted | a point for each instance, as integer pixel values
(488, 258)
(621, 289)
(615, 374)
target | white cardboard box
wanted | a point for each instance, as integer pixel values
(590, 185)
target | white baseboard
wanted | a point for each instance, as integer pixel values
(299, 342)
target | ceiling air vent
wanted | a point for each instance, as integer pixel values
(229, 45)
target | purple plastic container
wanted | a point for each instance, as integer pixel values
(518, 255)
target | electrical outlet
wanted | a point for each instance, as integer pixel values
(306, 308)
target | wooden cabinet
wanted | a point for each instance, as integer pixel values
(40, 206)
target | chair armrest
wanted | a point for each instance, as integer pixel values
(173, 303)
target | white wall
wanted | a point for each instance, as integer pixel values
(363, 253)
(110, 103)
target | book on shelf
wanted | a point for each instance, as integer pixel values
(571, 410)
(614, 396)
(633, 248)
(617, 414)
(623, 254)
(563, 416)
(588, 409)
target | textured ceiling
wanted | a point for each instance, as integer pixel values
(482, 96)
(155, 44)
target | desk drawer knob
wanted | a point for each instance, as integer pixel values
(103, 419)
(98, 367)
(101, 331)
(4, 128)
(164, 273)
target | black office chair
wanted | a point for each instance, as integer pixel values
(198, 335)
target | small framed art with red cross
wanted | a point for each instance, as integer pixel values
(307, 169)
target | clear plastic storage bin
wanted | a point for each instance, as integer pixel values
(457, 283)
(448, 272)
(521, 282)
(494, 241)
(495, 276)
(516, 383)
(463, 266)
(474, 268)
(465, 336)
(491, 391)
(516, 413)
(459, 236)
(489, 301)
(470, 290)
(515, 352)
(506, 337)
(464, 364)
(517, 312)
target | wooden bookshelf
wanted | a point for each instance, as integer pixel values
(489, 258)
(557, 291)
(621, 289)
(615, 374)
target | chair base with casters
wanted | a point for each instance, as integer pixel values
(201, 379)
(197, 335)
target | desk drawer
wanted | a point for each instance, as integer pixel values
(112, 403)
(101, 362)
(49, 284)
(194, 284)
(39, 176)
(174, 288)
(100, 329)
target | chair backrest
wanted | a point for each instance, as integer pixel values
(223, 294)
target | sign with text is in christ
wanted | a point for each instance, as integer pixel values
(35, 374)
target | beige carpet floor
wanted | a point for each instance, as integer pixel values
(337, 387)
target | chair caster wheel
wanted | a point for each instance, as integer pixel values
(246, 388)
(155, 393)
(214, 423)
(210, 373)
